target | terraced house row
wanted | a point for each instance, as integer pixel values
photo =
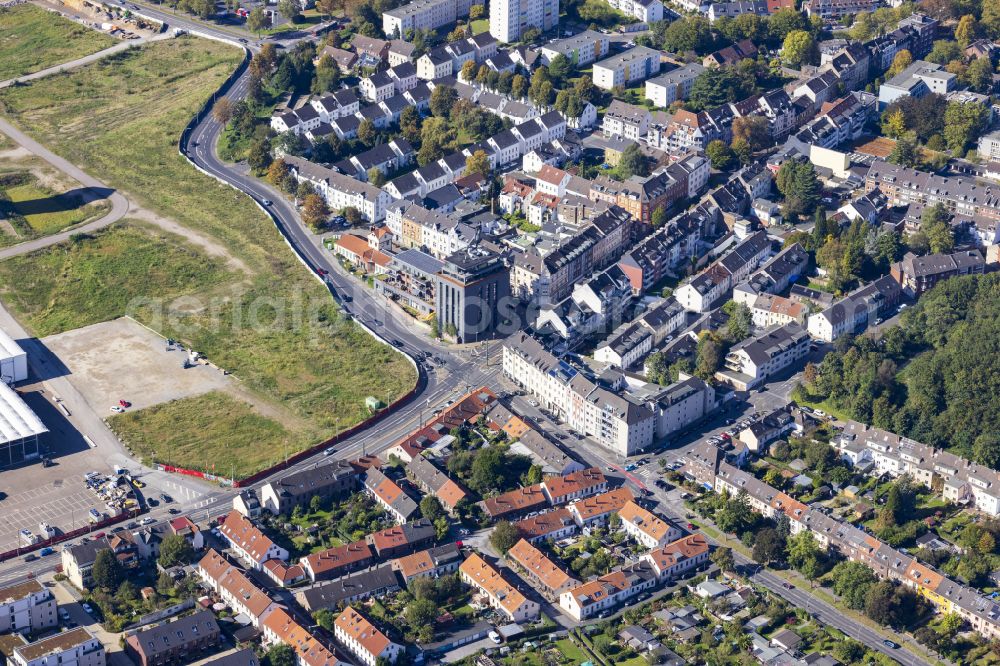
(947, 596)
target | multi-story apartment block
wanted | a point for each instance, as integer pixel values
(751, 362)
(853, 543)
(76, 647)
(27, 607)
(502, 595)
(339, 190)
(776, 275)
(233, 587)
(673, 86)
(509, 19)
(298, 488)
(645, 11)
(178, 641)
(646, 527)
(423, 15)
(581, 49)
(962, 196)
(835, 9)
(687, 132)
(471, 287)
(611, 589)
(363, 640)
(658, 255)
(542, 572)
(635, 64)
(919, 79)
(856, 311)
(919, 274)
(625, 121)
(714, 282)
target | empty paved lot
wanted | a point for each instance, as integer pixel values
(121, 359)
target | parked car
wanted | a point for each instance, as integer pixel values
(87, 608)
(116, 409)
(124, 403)
(45, 551)
(167, 499)
(495, 637)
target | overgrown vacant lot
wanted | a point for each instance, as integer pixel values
(242, 440)
(93, 278)
(33, 209)
(32, 39)
(263, 318)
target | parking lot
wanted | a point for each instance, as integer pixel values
(122, 360)
(48, 495)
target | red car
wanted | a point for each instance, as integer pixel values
(691, 526)
(322, 272)
(124, 403)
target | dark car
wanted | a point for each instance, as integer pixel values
(173, 511)
(152, 502)
(890, 644)
(397, 343)
(167, 499)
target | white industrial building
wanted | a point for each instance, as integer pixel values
(19, 429)
(13, 360)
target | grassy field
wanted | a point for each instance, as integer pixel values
(175, 432)
(93, 278)
(274, 326)
(32, 39)
(480, 26)
(36, 210)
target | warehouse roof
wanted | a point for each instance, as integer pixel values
(17, 421)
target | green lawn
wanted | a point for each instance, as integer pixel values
(93, 278)
(175, 433)
(271, 324)
(570, 650)
(480, 26)
(34, 210)
(32, 39)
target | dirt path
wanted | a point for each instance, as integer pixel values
(272, 410)
(207, 244)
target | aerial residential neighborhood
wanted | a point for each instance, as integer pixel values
(499, 332)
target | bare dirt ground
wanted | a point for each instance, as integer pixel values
(123, 360)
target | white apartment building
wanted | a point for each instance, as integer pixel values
(673, 86)
(625, 121)
(644, 10)
(619, 423)
(509, 19)
(363, 640)
(251, 545)
(989, 147)
(341, 191)
(423, 15)
(581, 49)
(27, 607)
(76, 647)
(646, 527)
(636, 64)
(752, 361)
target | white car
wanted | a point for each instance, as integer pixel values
(495, 637)
(116, 409)
(87, 609)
